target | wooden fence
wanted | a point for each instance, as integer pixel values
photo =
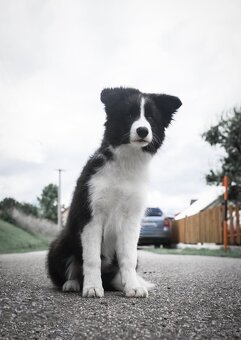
(234, 225)
(207, 226)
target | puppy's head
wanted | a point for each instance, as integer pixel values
(137, 118)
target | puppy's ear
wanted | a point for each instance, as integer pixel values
(110, 96)
(167, 105)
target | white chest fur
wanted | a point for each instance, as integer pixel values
(118, 191)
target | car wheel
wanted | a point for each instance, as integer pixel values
(167, 245)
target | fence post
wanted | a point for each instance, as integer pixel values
(225, 224)
(238, 230)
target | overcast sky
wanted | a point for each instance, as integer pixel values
(57, 56)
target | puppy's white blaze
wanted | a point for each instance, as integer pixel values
(142, 116)
(141, 122)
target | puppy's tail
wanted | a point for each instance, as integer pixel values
(117, 284)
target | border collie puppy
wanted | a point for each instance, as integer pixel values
(97, 249)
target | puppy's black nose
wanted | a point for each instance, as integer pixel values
(142, 132)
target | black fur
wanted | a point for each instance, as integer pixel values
(122, 106)
(68, 242)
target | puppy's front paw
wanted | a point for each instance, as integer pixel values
(93, 292)
(136, 292)
(71, 286)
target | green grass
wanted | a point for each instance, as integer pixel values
(201, 252)
(16, 240)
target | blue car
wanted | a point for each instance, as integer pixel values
(155, 229)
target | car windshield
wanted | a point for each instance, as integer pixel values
(153, 212)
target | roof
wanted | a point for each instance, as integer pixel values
(206, 199)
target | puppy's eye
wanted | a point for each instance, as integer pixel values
(148, 112)
(149, 118)
(133, 113)
(129, 116)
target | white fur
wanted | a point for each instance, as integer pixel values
(117, 195)
(117, 283)
(141, 122)
(91, 243)
(72, 284)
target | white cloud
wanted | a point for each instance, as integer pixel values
(56, 56)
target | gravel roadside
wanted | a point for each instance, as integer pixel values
(195, 298)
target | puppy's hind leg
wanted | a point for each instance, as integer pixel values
(72, 273)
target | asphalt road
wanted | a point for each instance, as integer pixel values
(195, 298)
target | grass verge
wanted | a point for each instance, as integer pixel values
(201, 252)
(16, 240)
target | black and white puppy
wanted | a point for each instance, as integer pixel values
(97, 249)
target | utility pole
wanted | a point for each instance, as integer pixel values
(59, 200)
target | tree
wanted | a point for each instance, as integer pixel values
(48, 202)
(6, 207)
(227, 135)
(9, 203)
(29, 209)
